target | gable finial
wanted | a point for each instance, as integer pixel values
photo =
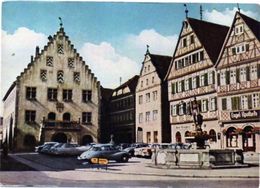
(60, 21)
(147, 49)
(186, 10)
(238, 7)
(201, 10)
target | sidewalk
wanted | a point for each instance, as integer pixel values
(145, 168)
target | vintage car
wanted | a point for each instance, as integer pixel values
(39, 148)
(48, 148)
(69, 149)
(106, 151)
(148, 150)
(131, 149)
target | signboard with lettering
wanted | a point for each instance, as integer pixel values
(248, 114)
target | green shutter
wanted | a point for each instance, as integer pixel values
(233, 103)
(177, 109)
(182, 86)
(197, 81)
(224, 104)
(207, 105)
(177, 89)
(227, 77)
(247, 47)
(218, 79)
(173, 88)
(258, 71)
(206, 79)
(248, 73)
(249, 101)
(238, 103)
(233, 51)
(238, 75)
(216, 103)
(213, 77)
(190, 83)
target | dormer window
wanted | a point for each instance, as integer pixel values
(191, 39)
(184, 42)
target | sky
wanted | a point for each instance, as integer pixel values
(111, 37)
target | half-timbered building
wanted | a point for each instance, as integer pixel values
(55, 98)
(192, 76)
(152, 124)
(238, 79)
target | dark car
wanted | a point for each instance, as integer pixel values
(46, 144)
(107, 151)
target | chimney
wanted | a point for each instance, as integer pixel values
(37, 50)
(31, 58)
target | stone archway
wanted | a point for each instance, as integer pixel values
(87, 139)
(59, 137)
(248, 139)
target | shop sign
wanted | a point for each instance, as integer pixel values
(249, 114)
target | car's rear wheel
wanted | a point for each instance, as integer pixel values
(124, 159)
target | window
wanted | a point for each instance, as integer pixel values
(147, 96)
(235, 103)
(60, 78)
(155, 135)
(239, 29)
(60, 49)
(233, 77)
(154, 95)
(213, 135)
(224, 104)
(210, 78)
(187, 85)
(147, 82)
(86, 95)
(66, 116)
(180, 110)
(30, 116)
(141, 118)
(174, 110)
(255, 100)
(153, 79)
(155, 112)
(213, 105)
(49, 61)
(148, 136)
(86, 117)
(147, 116)
(184, 42)
(148, 67)
(52, 94)
(243, 74)
(43, 75)
(30, 93)
(179, 86)
(202, 80)
(204, 105)
(244, 102)
(144, 69)
(253, 72)
(194, 82)
(71, 62)
(67, 95)
(232, 137)
(192, 39)
(76, 77)
(140, 99)
(223, 78)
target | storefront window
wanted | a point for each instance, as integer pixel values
(232, 137)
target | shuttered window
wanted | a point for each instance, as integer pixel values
(224, 104)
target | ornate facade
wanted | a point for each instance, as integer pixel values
(56, 98)
(152, 124)
(192, 74)
(238, 80)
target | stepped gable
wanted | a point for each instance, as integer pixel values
(131, 83)
(161, 64)
(211, 36)
(40, 53)
(253, 24)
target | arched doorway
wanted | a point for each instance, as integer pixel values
(248, 139)
(87, 139)
(29, 141)
(231, 137)
(66, 116)
(59, 137)
(178, 137)
(213, 135)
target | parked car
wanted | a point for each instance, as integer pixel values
(39, 148)
(148, 150)
(131, 149)
(69, 149)
(48, 149)
(122, 146)
(107, 151)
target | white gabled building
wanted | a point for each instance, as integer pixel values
(192, 74)
(238, 79)
(56, 98)
(152, 124)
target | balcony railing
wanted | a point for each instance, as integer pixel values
(68, 125)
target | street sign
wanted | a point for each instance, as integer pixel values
(102, 161)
